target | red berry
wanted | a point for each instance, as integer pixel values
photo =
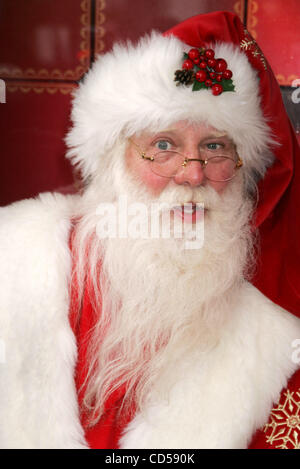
(219, 77)
(211, 63)
(209, 53)
(197, 61)
(221, 65)
(193, 54)
(213, 75)
(201, 75)
(203, 64)
(216, 89)
(187, 64)
(227, 74)
(208, 83)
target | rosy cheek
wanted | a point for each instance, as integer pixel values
(155, 184)
(142, 172)
(219, 186)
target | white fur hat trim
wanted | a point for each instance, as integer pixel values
(132, 89)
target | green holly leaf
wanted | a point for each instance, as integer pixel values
(198, 85)
(185, 56)
(227, 85)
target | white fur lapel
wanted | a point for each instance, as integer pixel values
(38, 401)
(222, 397)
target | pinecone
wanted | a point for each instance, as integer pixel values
(184, 77)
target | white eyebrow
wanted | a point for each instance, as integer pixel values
(217, 134)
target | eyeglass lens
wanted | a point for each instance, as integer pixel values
(218, 168)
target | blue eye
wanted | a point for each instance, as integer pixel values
(214, 146)
(163, 145)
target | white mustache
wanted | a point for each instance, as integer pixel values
(186, 197)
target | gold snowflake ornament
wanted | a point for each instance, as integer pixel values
(250, 46)
(283, 431)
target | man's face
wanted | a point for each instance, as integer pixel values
(190, 140)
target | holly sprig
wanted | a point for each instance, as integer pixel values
(201, 69)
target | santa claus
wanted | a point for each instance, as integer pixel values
(130, 318)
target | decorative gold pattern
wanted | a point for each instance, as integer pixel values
(284, 427)
(99, 29)
(248, 44)
(57, 74)
(252, 22)
(39, 87)
(252, 19)
(239, 8)
(286, 80)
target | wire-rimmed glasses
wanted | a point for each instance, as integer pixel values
(217, 167)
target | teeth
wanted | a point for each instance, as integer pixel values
(186, 208)
(189, 210)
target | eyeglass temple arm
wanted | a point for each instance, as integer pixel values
(142, 153)
(239, 163)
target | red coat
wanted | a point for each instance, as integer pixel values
(281, 431)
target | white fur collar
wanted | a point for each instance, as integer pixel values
(38, 401)
(222, 397)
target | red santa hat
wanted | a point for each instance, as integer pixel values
(132, 88)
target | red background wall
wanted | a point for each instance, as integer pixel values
(47, 46)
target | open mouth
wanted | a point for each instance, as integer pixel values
(189, 212)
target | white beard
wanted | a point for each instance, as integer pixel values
(160, 300)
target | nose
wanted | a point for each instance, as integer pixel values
(192, 174)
